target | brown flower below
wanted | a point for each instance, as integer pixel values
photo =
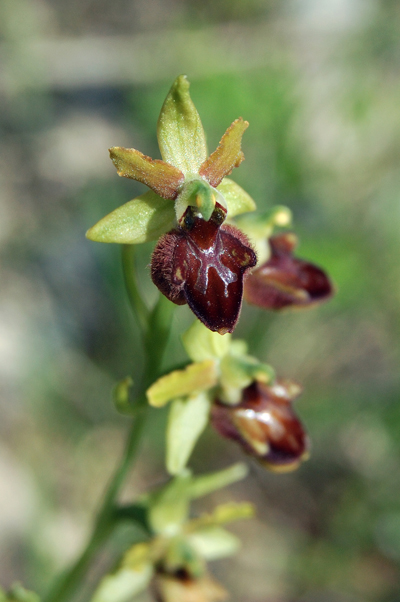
(185, 589)
(285, 281)
(203, 263)
(265, 425)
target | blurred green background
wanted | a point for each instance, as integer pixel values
(319, 82)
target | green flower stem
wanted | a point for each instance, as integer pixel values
(139, 307)
(105, 522)
(155, 327)
(160, 323)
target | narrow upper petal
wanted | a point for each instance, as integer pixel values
(179, 383)
(227, 156)
(163, 178)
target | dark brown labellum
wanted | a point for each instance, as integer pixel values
(203, 264)
(265, 425)
(285, 281)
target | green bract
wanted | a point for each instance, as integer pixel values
(220, 367)
(185, 175)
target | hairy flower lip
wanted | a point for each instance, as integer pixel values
(203, 263)
(265, 425)
(285, 281)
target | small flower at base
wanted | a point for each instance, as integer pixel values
(285, 281)
(203, 263)
(180, 588)
(265, 425)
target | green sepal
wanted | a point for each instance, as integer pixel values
(120, 397)
(187, 420)
(213, 543)
(179, 383)
(263, 224)
(124, 584)
(169, 507)
(237, 199)
(180, 132)
(201, 344)
(260, 226)
(208, 483)
(141, 220)
(238, 372)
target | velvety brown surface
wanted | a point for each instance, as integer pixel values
(285, 281)
(204, 264)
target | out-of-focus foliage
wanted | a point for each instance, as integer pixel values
(319, 83)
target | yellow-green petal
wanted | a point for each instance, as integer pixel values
(224, 513)
(232, 511)
(237, 199)
(161, 177)
(227, 156)
(143, 219)
(180, 132)
(179, 383)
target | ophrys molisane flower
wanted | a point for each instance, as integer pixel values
(199, 261)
